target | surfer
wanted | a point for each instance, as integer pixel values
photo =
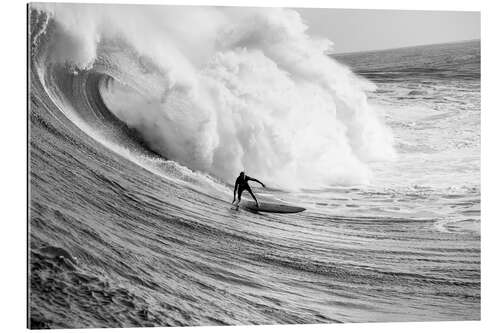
(241, 185)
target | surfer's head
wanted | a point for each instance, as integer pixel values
(242, 173)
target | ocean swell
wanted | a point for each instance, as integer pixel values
(250, 90)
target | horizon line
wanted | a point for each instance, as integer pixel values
(405, 47)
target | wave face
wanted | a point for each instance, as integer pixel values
(139, 117)
(251, 92)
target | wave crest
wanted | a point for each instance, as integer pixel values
(222, 90)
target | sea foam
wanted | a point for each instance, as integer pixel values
(222, 90)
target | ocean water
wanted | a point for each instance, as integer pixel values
(134, 147)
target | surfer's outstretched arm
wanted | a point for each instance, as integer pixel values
(256, 180)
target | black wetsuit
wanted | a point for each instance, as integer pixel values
(242, 185)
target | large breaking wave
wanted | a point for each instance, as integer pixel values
(220, 90)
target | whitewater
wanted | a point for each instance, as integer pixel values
(140, 119)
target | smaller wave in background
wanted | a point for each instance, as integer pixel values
(418, 63)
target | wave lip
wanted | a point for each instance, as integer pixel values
(264, 98)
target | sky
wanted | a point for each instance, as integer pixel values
(353, 30)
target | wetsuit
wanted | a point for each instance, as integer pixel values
(242, 184)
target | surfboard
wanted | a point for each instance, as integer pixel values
(272, 208)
